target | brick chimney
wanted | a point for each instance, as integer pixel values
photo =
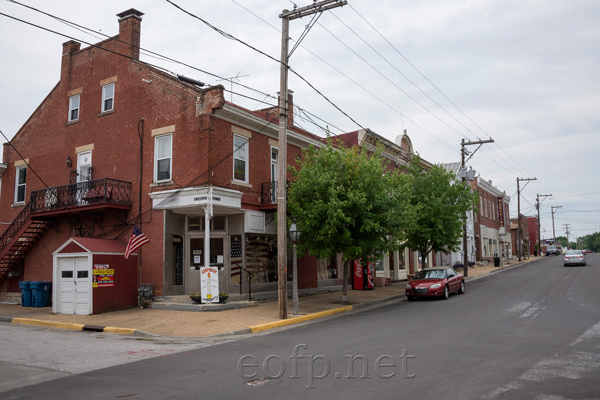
(68, 48)
(130, 22)
(290, 108)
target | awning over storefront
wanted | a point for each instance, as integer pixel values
(194, 200)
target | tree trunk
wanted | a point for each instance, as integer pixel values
(424, 255)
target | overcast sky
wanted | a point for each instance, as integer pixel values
(524, 72)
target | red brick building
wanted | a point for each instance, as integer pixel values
(525, 236)
(491, 222)
(533, 226)
(117, 143)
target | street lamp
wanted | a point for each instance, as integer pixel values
(295, 236)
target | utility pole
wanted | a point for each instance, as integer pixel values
(537, 205)
(463, 152)
(553, 231)
(519, 233)
(567, 226)
(286, 16)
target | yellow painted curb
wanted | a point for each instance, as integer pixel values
(123, 331)
(296, 320)
(54, 324)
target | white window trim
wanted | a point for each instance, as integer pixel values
(71, 108)
(104, 98)
(17, 185)
(156, 139)
(246, 161)
(275, 161)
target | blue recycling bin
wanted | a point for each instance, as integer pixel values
(25, 293)
(40, 293)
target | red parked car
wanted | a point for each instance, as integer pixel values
(437, 282)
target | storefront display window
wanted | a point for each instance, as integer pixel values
(327, 268)
(379, 267)
(261, 258)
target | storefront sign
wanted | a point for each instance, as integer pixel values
(103, 276)
(501, 212)
(209, 284)
(204, 198)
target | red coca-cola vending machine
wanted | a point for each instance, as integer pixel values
(363, 276)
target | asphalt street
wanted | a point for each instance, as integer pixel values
(531, 332)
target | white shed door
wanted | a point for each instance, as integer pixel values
(75, 285)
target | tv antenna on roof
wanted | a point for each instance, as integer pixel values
(230, 80)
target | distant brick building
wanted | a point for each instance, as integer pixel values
(525, 236)
(533, 226)
(491, 225)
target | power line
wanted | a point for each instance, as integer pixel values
(403, 75)
(415, 67)
(356, 83)
(231, 37)
(391, 82)
(443, 94)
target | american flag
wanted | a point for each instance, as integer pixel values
(137, 240)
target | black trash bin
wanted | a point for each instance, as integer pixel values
(496, 261)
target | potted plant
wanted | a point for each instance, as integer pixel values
(195, 296)
(223, 297)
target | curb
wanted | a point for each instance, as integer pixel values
(505, 268)
(77, 327)
(297, 320)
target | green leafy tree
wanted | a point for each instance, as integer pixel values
(442, 203)
(591, 242)
(345, 201)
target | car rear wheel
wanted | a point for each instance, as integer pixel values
(446, 293)
(462, 288)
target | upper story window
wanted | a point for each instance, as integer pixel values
(20, 179)
(74, 108)
(240, 158)
(163, 155)
(108, 97)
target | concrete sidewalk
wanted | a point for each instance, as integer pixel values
(263, 316)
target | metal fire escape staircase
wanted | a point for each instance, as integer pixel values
(19, 239)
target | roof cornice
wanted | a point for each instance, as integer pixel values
(253, 122)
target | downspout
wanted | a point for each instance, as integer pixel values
(139, 217)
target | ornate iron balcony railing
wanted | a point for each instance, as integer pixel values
(80, 194)
(269, 192)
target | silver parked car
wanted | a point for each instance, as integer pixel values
(553, 250)
(574, 257)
